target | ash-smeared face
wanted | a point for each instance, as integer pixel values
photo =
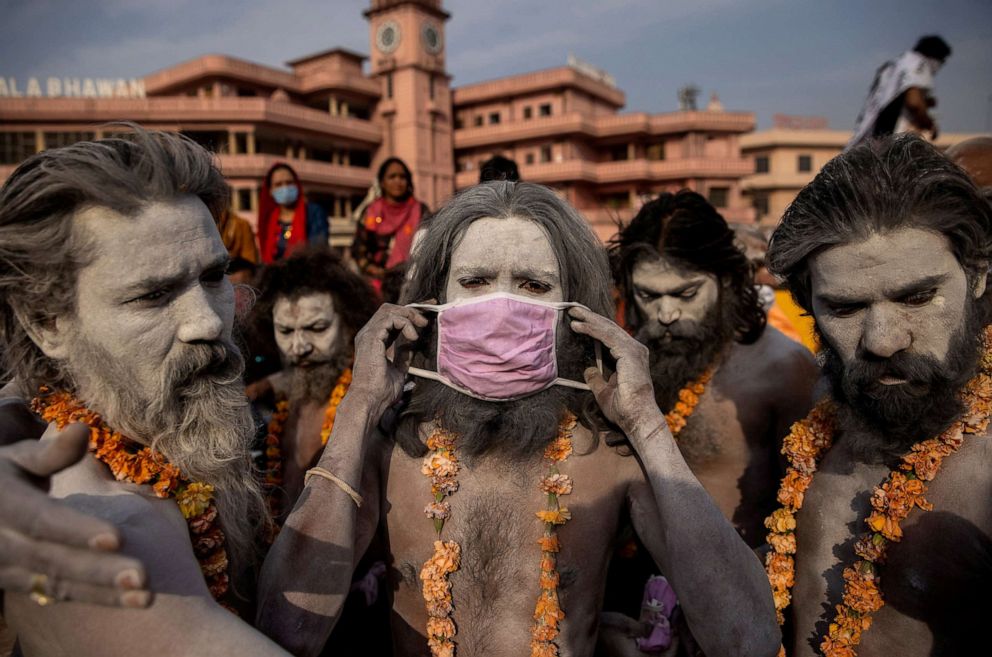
(307, 329)
(673, 302)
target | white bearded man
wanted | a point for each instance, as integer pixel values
(312, 306)
(498, 485)
(117, 314)
(883, 545)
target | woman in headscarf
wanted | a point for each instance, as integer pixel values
(383, 240)
(285, 218)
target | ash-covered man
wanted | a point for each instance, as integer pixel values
(312, 305)
(501, 509)
(730, 385)
(884, 545)
(117, 314)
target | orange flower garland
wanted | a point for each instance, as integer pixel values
(277, 424)
(441, 467)
(892, 501)
(689, 397)
(132, 462)
(547, 612)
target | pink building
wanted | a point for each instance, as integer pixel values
(335, 119)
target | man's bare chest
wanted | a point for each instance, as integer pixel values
(928, 577)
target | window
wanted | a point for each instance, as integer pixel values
(805, 163)
(493, 118)
(389, 85)
(244, 199)
(760, 204)
(430, 88)
(545, 109)
(718, 196)
(618, 152)
(478, 121)
(529, 158)
(528, 112)
(459, 123)
(761, 164)
(15, 147)
(545, 153)
(246, 92)
(59, 139)
(655, 151)
(617, 200)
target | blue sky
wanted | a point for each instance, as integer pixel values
(766, 56)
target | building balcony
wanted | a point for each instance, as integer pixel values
(311, 172)
(182, 75)
(601, 173)
(182, 112)
(772, 181)
(611, 126)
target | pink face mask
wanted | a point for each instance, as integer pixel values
(497, 347)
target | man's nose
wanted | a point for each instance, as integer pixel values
(200, 320)
(668, 311)
(300, 346)
(885, 333)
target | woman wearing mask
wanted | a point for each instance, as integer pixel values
(285, 218)
(384, 238)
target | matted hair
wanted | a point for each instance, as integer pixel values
(878, 186)
(582, 262)
(40, 260)
(685, 227)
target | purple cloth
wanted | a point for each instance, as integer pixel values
(656, 608)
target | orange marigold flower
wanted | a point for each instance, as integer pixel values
(202, 523)
(781, 520)
(439, 465)
(832, 648)
(861, 593)
(549, 580)
(558, 484)
(783, 543)
(780, 569)
(884, 525)
(441, 627)
(441, 647)
(549, 543)
(543, 632)
(782, 598)
(194, 499)
(543, 649)
(559, 449)
(557, 516)
(792, 491)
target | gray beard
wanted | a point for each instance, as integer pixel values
(200, 420)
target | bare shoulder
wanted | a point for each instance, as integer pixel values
(775, 362)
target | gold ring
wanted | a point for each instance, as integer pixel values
(39, 590)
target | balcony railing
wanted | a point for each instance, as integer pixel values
(181, 110)
(310, 171)
(607, 126)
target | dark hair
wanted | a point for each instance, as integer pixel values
(499, 168)
(409, 176)
(314, 270)
(686, 228)
(933, 47)
(39, 256)
(878, 186)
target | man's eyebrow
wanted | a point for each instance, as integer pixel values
(917, 286)
(221, 262)
(546, 274)
(677, 289)
(473, 270)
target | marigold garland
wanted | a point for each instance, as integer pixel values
(441, 467)
(273, 439)
(689, 397)
(132, 462)
(903, 490)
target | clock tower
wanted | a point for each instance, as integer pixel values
(407, 38)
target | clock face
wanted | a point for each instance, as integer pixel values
(432, 38)
(387, 37)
